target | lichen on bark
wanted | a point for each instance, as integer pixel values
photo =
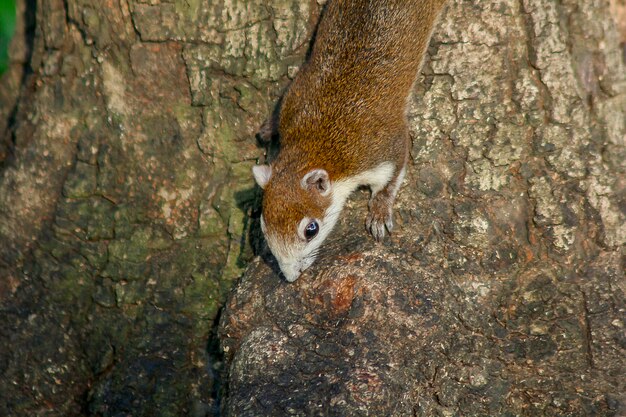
(125, 195)
(129, 213)
(501, 292)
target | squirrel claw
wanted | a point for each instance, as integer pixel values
(376, 224)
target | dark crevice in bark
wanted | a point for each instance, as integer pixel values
(469, 308)
(217, 362)
(29, 21)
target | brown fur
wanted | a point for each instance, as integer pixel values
(347, 104)
(345, 110)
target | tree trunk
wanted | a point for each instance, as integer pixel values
(502, 292)
(125, 193)
(127, 208)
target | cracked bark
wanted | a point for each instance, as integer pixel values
(481, 304)
(128, 209)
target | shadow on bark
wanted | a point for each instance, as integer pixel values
(128, 213)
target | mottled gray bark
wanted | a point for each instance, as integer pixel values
(125, 193)
(126, 205)
(502, 291)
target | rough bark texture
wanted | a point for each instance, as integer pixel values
(126, 206)
(125, 191)
(502, 292)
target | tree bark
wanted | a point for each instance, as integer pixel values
(502, 292)
(128, 212)
(125, 193)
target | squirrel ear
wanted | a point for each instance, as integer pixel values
(262, 174)
(317, 179)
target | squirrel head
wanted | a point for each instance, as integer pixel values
(298, 214)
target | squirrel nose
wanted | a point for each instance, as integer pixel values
(290, 272)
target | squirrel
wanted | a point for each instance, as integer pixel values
(342, 124)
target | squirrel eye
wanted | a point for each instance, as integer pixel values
(311, 229)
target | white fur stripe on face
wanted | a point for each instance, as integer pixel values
(293, 253)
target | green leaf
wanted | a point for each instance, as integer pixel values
(7, 26)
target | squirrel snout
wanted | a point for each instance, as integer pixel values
(291, 272)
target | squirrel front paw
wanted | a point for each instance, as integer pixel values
(267, 131)
(380, 216)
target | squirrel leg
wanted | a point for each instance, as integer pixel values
(380, 215)
(266, 131)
